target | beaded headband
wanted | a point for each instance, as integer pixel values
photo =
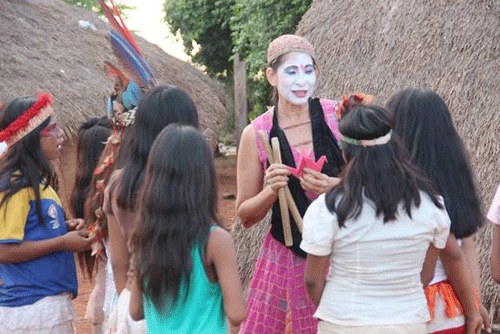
(288, 43)
(28, 121)
(352, 101)
(367, 142)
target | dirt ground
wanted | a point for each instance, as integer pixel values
(226, 170)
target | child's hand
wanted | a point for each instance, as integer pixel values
(76, 224)
(77, 241)
(317, 182)
(486, 318)
(473, 323)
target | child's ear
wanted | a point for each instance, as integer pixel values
(272, 77)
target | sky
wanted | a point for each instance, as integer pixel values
(147, 21)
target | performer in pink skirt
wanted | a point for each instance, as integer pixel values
(306, 128)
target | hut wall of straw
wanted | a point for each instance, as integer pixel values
(451, 47)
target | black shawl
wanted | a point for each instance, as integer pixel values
(324, 143)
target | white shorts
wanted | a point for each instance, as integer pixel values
(325, 327)
(120, 321)
(49, 315)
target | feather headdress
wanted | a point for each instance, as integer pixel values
(135, 75)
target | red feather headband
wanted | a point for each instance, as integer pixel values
(352, 101)
(28, 121)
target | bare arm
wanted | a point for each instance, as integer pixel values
(315, 278)
(221, 253)
(28, 250)
(429, 266)
(469, 250)
(119, 254)
(136, 308)
(458, 273)
(253, 201)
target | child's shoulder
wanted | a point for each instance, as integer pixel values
(219, 235)
(219, 242)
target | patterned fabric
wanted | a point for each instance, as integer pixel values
(277, 287)
(288, 43)
(445, 309)
(444, 289)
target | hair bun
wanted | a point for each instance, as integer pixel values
(351, 101)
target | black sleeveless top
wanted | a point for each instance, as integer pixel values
(324, 143)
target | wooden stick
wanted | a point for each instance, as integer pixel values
(285, 217)
(267, 147)
(289, 198)
(293, 209)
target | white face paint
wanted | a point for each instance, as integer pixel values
(296, 78)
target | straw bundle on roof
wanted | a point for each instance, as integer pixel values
(43, 49)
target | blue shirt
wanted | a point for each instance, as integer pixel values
(49, 275)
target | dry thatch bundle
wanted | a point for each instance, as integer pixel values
(452, 47)
(44, 50)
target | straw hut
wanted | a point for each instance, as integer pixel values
(451, 47)
(45, 50)
(382, 47)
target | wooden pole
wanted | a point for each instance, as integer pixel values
(240, 96)
(285, 217)
(289, 198)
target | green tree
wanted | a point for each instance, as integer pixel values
(223, 28)
(254, 24)
(205, 22)
(94, 6)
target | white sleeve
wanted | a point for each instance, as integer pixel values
(442, 226)
(494, 211)
(320, 226)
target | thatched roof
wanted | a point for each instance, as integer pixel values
(452, 47)
(44, 50)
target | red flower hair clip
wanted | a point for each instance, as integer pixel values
(352, 101)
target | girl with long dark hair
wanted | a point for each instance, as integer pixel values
(160, 107)
(187, 274)
(423, 121)
(37, 267)
(380, 228)
(91, 140)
